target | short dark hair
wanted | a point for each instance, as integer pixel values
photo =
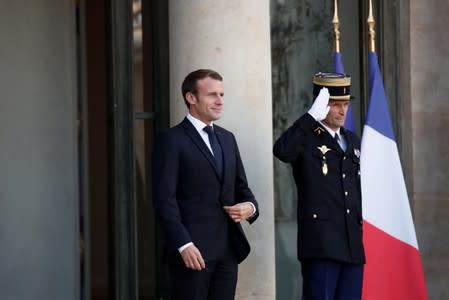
(189, 83)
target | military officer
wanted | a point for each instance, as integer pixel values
(325, 159)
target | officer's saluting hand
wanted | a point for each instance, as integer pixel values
(320, 108)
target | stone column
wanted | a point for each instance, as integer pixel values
(429, 65)
(233, 38)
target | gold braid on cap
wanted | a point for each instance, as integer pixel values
(326, 79)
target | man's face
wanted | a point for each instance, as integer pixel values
(337, 114)
(206, 105)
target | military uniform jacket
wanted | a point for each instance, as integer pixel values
(329, 196)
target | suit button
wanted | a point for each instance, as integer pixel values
(344, 157)
(346, 193)
(348, 211)
(344, 175)
(314, 216)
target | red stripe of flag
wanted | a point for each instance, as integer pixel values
(393, 269)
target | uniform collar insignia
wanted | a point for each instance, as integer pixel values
(324, 149)
(319, 130)
(357, 152)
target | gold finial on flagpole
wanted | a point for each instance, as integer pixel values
(336, 24)
(371, 32)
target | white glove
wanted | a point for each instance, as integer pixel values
(320, 106)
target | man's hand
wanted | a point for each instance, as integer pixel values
(320, 106)
(240, 211)
(192, 258)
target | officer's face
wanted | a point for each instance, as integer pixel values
(337, 113)
(207, 103)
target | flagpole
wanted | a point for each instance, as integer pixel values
(371, 32)
(336, 24)
(338, 64)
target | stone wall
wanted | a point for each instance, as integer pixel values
(429, 70)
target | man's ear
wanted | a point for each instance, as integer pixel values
(191, 98)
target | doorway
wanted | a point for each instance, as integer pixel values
(124, 88)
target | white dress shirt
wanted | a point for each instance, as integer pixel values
(199, 126)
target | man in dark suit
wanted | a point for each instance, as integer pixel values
(201, 195)
(325, 159)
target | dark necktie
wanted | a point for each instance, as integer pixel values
(216, 149)
(338, 140)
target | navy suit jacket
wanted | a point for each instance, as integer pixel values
(189, 194)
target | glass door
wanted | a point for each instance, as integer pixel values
(124, 82)
(151, 114)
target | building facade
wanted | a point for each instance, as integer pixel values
(86, 85)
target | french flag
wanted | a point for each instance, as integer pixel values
(393, 267)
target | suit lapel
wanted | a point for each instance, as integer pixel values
(199, 142)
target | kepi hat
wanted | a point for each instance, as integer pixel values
(338, 85)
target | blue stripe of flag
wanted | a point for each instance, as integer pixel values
(378, 116)
(338, 63)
